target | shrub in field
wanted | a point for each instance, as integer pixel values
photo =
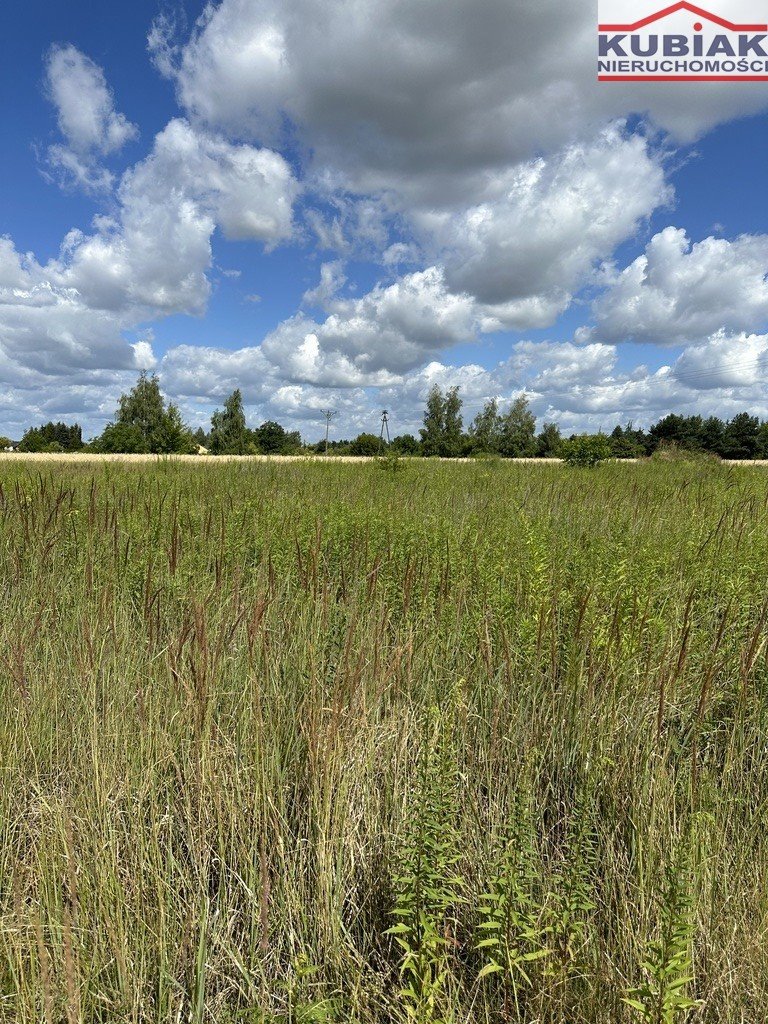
(670, 451)
(486, 458)
(586, 450)
(392, 462)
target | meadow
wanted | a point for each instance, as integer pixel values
(318, 742)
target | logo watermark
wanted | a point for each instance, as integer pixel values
(641, 42)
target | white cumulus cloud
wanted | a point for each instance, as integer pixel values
(426, 102)
(148, 259)
(678, 291)
(525, 250)
(86, 117)
(372, 339)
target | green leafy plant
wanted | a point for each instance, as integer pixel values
(392, 462)
(586, 450)
(573, 902)
(302, 998)
(304, 1004)
(428, 887)
(663, 997)
(513, 934)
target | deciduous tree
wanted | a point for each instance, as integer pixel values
(452, 436)
(549, 444)
(433, 431)
(229, 434)
(485, 431)
(518, 430)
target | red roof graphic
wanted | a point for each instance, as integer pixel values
(683, 5)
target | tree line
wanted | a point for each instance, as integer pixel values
(512, 433)
(145, 424)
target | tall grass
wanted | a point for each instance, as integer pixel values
(253, 717)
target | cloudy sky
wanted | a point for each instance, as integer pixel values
(337, 203)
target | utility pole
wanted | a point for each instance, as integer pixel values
(384, 426)
(328, 415)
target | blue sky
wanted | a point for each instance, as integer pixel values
(336, 211)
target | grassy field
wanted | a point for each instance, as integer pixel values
(324, 742)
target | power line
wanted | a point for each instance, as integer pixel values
(729, 364)
(328, 415)
(384, 426)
